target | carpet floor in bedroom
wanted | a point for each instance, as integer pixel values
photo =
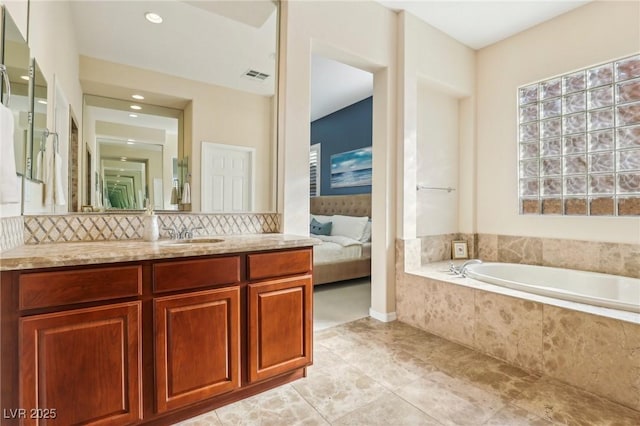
(341, 302)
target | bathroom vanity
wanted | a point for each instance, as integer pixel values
(137, 332)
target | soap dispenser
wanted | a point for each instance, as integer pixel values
(151, 230)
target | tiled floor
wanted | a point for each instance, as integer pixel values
(372, 373)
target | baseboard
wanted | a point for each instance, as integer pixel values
(384, 317)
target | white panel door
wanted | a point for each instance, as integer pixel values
(227, 178)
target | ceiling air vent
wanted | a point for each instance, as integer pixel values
(255, 75)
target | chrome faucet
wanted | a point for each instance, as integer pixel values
(462, 269)
(181, 234)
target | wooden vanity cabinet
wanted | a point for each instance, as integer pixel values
(279, 326)
(280, 312)
(206, 323)
(151, 342)
(82, 366)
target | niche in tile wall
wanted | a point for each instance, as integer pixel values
(579, 142)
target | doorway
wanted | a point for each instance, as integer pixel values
(227, 178)
(340, 163)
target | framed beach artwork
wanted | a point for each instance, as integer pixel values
(351, 168)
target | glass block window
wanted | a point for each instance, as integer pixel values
(579, 142)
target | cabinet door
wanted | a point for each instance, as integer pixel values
(82, 366)
(280, 321)
(197, 346)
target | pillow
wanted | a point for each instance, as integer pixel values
(349, 226)
(318, 228)
(366, 234)
(320, 218)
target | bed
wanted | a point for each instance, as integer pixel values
(338, 257)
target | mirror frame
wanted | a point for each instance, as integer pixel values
(185, 166)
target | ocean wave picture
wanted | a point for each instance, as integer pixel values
(351, 168)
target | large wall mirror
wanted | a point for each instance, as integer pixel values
(15, 93)
(212, 66)
(136, 153)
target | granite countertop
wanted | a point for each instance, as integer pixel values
(94, 252)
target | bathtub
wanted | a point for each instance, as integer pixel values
(609, 291)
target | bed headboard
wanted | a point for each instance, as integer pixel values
(346, 205)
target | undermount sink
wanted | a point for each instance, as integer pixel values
(193, 241)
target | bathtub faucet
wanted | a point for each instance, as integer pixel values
(462, 269)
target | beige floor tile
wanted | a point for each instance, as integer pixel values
(493, 375)
(386, 411)
(515, 416)
(277, 407)
(561, 403)
(451, 401)
(337, 391)
(324, 358)
(394, 369)
(207, 419)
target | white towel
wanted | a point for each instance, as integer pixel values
(59, 189)
(39, 175)
(47, 176)
(9, 192)
(52, 177)
(186, 194)
(174, 195)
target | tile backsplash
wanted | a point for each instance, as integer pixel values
(595, 256)
(104, 227)
(11, 232)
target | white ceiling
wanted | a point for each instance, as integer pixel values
(479, 23)
(212, 42)
(335, 85)
(475, 23)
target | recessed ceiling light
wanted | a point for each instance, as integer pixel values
(138, 97)
(153, 17)
(24, 77)
(123, 158)
(136, 107)
(42, 101)
(133, 115)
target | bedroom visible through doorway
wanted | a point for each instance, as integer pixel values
(341, 177)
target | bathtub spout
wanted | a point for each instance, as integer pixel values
(462, 269)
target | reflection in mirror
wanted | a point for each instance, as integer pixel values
(221, 73)
(15, 56)
(36, 149)
(136, 153)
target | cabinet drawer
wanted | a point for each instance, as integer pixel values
(186, 274)
(46, 289)
(282, 263)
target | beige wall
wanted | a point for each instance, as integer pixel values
(437, 161)
(447, 68)
(361, 34)
(19, 11)
(595, 33)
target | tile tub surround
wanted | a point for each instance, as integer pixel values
(537, 334)
(11, 232)
(128, 226)
(593, 256)
(436, 248)
(372, 373)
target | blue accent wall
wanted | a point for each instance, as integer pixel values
(344, 130)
